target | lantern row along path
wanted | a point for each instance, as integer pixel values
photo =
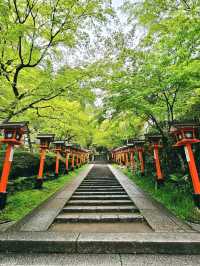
(101, 211)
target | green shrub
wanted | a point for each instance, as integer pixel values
(26, 164)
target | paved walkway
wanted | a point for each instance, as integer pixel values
(98, 260)
(100, 204)
(101, 211)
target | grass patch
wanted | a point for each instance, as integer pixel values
(178, 201)
(21, 203)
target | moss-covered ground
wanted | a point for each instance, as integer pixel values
(178, 200)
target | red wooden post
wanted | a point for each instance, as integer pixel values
(141, 159)
(57, 164)
(68, 153)
(59, 146)
(185, 135)
(39, 180)
(160, 178)
(72, 161)
(155, 141)
(126, 158)
(130, 144)
(193, 169)
(6, 168)
(67, 162)
(42, 160)
(131, 159)
(120, 158)
(13, 132)
(77, 159)
(45, 140)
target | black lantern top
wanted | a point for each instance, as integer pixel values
(59, 145)
(45, 139)
(139, 143)
(185, 132)
(49, 137)
(68, 147)
(13, 132)
(131, 145)
(122, 148)
(153, 138)
(15, 126)
(130, 142)
(76, 147)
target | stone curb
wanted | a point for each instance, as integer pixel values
(96, 243)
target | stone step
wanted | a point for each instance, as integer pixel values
(100, 193)
(99, 197)
(101, 180)
(95, 187)
(98, 218)
(99, 202)
(105, 190)
(109, 243)
(100, 183)
(128, 208)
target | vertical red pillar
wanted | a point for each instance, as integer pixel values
(132, 160)
(6, 170)
(57, 164)
(141, 159)
(193, 170)
(81, 159)
(67, 163)
(160, 179)
(5, 173)
(77, 160)
(39, 180)
(72, 162)
(126, 159)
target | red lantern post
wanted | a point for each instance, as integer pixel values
(140, 149)
(126, 152)
(67, 154)
(155, 141)
(77, 159)
(13, 133)
(186, 134)
(72, 159)
(59, 145)
(131, 151)
(45, 140)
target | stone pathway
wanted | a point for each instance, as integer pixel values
(101, 211)
(98, 260)
(100, 204)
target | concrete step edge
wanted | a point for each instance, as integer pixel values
(97, 243)
(99, 193)
(97, 210)
(95, 219)
(101, 197)
(97, 203)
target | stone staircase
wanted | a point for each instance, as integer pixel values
(100, 199)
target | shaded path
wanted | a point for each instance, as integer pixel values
(100, 204)
(75, 220)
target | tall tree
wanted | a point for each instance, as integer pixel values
(31, 32)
